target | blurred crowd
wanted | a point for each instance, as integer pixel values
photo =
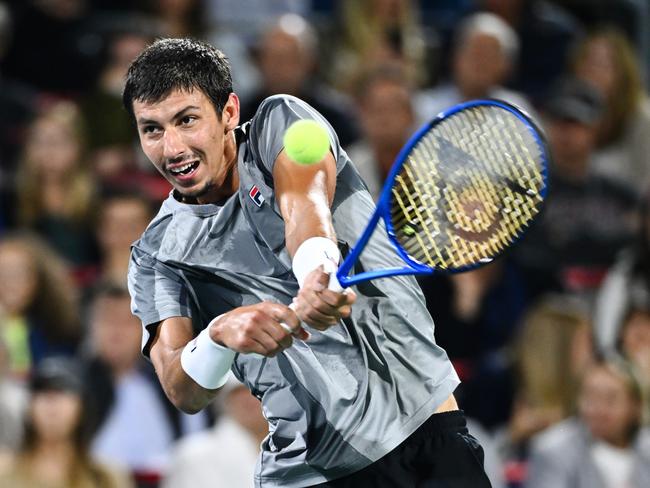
(552, 341)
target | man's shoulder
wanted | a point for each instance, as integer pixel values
(278, 101)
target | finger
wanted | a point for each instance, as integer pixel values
(318, 285)
(267, 344)
(280, 335)
(250, 345)
(312, 316)
(350, 296)
(315, 301)
(345, 311)
(283, 315)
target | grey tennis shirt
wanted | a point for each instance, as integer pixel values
(349, 395)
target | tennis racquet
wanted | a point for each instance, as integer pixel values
(463, 189)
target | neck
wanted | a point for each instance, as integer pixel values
(59, 449)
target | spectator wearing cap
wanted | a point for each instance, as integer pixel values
(54, 451)
(588, 218)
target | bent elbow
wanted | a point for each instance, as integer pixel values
(187, 401)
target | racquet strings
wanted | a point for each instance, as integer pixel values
(469, 188)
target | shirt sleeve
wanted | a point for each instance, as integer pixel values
(156, 294)
(273, 117)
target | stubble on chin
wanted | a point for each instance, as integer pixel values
(205, 190)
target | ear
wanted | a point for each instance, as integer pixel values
(230, 113)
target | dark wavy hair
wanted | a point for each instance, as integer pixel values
(178, 64)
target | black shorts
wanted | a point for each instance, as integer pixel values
(440, 454)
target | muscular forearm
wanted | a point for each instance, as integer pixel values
(305, 194)
(307, 219)
(182, 390)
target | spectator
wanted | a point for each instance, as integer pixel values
(38, 310)
(123, 216)
(587, 218)
(55, 188)
(383, 100)
(606, 59)
(606, 444)
(375, 32)
(235, 26)
(546, 32)
(286, 54)
(139, 424)
(484, 54)
(240, 426)
(550, 354)
(54, 452)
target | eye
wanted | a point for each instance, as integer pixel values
(188, 119)
(150, 129)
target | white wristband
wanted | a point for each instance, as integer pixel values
(205, 361)
(311, 254)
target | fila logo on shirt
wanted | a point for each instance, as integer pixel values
(256, 196)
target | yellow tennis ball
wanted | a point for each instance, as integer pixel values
(306, 141)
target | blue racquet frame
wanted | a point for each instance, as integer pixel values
(383, 205)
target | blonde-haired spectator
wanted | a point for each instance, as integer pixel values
(552, 350)
(606, 59)
(55, 188)
(606, 444)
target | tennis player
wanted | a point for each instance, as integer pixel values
(359, 394)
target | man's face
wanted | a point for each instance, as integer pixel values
(187, 141)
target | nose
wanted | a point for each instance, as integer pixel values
(173, 147)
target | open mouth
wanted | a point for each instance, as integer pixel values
(185, 169)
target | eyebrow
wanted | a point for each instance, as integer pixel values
(177, 115)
